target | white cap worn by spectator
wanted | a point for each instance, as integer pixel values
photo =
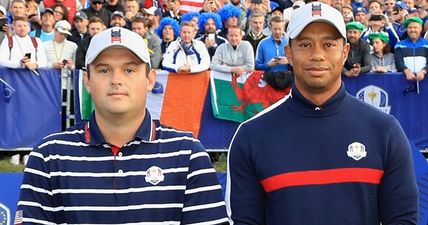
(151, 10)
(117, 37)
(315, 12)
(3, 10)
(63, 27)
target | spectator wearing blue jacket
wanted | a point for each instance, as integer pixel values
(270, 54)
(411, 54)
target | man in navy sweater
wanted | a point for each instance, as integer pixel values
(320, 156)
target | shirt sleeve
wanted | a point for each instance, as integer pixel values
(35, 199)
(398, 193)
(244, 194)
(203, 200)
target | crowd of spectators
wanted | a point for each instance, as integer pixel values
(385, 35)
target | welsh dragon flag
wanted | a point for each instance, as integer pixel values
(238, 98)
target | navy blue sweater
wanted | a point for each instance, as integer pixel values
(342, 163)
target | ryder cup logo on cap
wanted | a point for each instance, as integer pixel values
(117, 37)
(315, 12)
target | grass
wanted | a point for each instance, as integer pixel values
(6, 166)
(221, 164)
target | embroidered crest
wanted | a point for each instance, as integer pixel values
(356, 151)
(154, 175)
(316, 9)
(116, 36)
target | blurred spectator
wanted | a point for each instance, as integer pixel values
(96, 10)
(270, 54)
(358, 60)
(117, 19)
(60, 52)
(379, 23)
(410, 4)
(95, 26)
(60, 12)
(337, 4)
(211, 6)
(287, 12)
(186, 55)
(132, 9)
(381, 60)
(388, 7)
(113, 5)
(17, 9)
(140, 26)
(347, 13)
(153, 14)
(4, 27)
(173, 9)
(70, 5)
(399, 14)
(230, 16)
(168, 31)
(375, 6)
(360, 15)
(21, 50)
(47, 22)
(209, 23)
(235, 56)
(80, 27)
(32, 7)
(192, 17)
(411, 54)
(255, 35)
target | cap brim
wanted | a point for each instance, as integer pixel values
(294, 33)
(64, 31)
(90, 61)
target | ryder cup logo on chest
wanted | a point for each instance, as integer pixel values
(356, 151)
(154, 175)
(375, 96)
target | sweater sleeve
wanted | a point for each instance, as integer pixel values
(217, 60)
(205, 58)
(366, 59)
(244, 194)
(260, 58)
(398, 193)
(398, 56)
(249, 56)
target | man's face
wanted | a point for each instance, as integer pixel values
(118, 83)
(97, 6)
(337, 3)
(48, 20)
(317, 56)
(277, 30)
(173, 5)
(409, 3)
(361, 17)
(132, 7)
(353, 36)
(257, 24)
(95, 28)
(186, 34)
(210, 27)
(139, 28)
(81, 25)
(59, 37)
(18, 9)
(375, 7)
(21, 28)
(231, 21)
(58, 13)
(234, 36)
(257, 7)
(414, 31)
(389, 5)
(117, 21)
(168, 33)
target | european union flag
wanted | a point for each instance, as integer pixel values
(8, 90)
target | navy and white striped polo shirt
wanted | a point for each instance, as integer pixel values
(163, 176)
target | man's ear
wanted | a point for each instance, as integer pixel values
(346, 50)
(287, 51)
(151, 79)
(86, 81)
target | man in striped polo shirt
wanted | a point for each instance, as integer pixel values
(120, 167)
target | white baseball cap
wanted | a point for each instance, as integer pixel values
(3, 10)
(315, 12)
(119, 37)
(63, 27)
